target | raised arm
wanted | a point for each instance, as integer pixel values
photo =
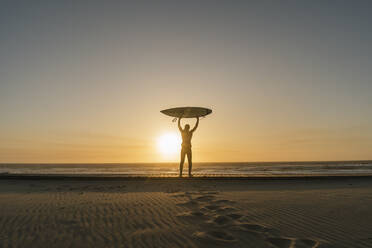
(179, 124)
(196, 125)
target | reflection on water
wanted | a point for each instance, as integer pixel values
(234, 169)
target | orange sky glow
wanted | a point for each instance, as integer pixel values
(85, 83)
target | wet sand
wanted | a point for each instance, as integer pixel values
(163, 212)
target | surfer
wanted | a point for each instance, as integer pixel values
(186, 144)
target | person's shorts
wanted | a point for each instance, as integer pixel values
(186, 149)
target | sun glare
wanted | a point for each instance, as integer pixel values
(169, 144)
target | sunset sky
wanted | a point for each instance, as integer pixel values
(84, 81)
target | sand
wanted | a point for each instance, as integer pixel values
(186, 213)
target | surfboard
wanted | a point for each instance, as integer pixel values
(187, 112)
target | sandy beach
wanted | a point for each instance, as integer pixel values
(266, 105)
(186, 213)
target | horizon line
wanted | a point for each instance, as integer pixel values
(223, 162)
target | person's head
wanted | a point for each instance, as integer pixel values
(187, 127)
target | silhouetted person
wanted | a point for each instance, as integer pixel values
(186, 144)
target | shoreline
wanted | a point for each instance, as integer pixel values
(217, 177)
(176, 162)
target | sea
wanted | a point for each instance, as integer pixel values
(199, 169)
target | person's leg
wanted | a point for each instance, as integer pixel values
(182, 161)
(189, 159)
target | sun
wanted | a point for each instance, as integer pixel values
(169, 144)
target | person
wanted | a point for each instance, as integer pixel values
(186, 144)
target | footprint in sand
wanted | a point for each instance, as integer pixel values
(305, 243)
(223, 202)
(254, 227)
(226, 219)
(273, 236)
(195, 216)
(198, 214)
(183, 194)
(215, 235)
(190, 193)
(221, 210)
(190, 204)
(171, 190)
(204, 198)
(323, 245)
(179, 195)
(222, 220)
(212, 207)
(250, 227)
(280, 242)
(234, 216)
(209, 192)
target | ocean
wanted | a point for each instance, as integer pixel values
(199, 169)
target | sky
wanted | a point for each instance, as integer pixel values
(84, 81)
